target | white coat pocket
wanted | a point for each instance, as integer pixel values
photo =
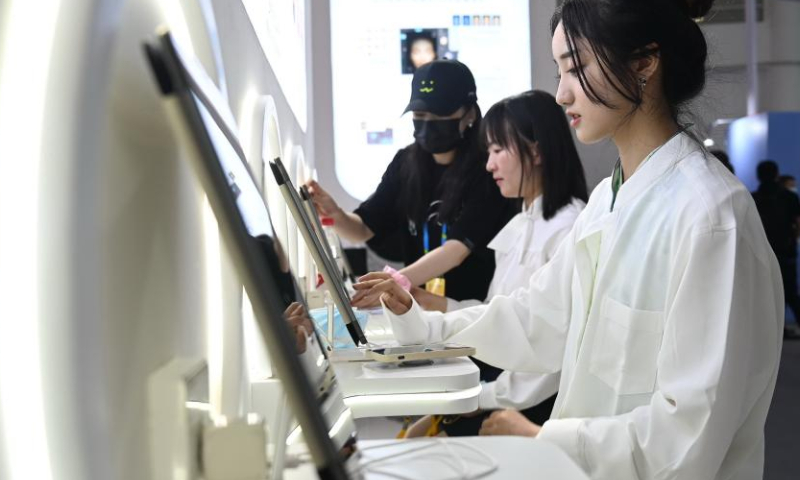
(626, 348)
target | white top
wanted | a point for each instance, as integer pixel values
(523, 246)
(664, 316)
(527, 242)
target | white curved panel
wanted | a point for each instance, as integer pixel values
(115, 216)
(271, 149)
(259, 134)
(115, 262)
(280, 26)
(193, 23)
(298, 171)
(260, 137)
(24, 447)
(292, 234)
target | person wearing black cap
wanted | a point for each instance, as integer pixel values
(435, 195)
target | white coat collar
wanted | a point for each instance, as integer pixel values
(676, 149)
(518, 232)
(535, 209)
(665, 158)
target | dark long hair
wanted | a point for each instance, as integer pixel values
(620, 31)
(515, 123)
(418, 190)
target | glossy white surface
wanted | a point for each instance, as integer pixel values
(374, 389)
(460, 401)
(517, 457)
(445, 375)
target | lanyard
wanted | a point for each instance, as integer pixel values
(426, 243)
(616, 182)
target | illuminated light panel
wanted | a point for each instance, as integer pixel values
(398, 398)
(176, 19)
(24, 73)
(214, 314)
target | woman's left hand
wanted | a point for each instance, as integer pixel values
(509, 422)
(429, 301)
(299, 323)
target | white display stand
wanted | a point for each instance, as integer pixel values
(516, 457)
(365, 406)
(374, 389)
(378, 378)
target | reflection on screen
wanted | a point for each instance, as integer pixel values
(248, 198)
(255, 216)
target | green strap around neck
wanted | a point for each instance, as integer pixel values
(616, 182)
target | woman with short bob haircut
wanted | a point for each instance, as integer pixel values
(532, 158)
(663, 307)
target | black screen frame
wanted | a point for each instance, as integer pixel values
(175, 84)
(325, 263)
(311, 211)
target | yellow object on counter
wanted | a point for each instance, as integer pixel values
(435, 286)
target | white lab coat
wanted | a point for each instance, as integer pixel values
(523, 246)
(664, 316)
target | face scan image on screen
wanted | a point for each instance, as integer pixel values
(419, 46)
(374, 47)
(204, 122)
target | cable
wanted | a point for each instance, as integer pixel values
(492, 464)
(461, 466)
(365, 464)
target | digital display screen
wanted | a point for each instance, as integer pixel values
(376, 45)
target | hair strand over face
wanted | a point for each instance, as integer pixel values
(619, 32)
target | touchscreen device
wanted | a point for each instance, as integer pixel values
(328, 269)
(312, 212)
(411, 353)
(204, 125)
(325, 264)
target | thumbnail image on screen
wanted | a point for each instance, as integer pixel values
(419, 46)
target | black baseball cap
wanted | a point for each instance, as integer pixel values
(441, 87)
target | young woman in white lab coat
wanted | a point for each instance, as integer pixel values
(663, 307)
(532, 157)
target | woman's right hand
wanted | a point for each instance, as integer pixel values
(379, 285)
(324, 203)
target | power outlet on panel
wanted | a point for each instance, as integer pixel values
(178, 408)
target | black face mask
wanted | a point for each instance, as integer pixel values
(437, 136)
